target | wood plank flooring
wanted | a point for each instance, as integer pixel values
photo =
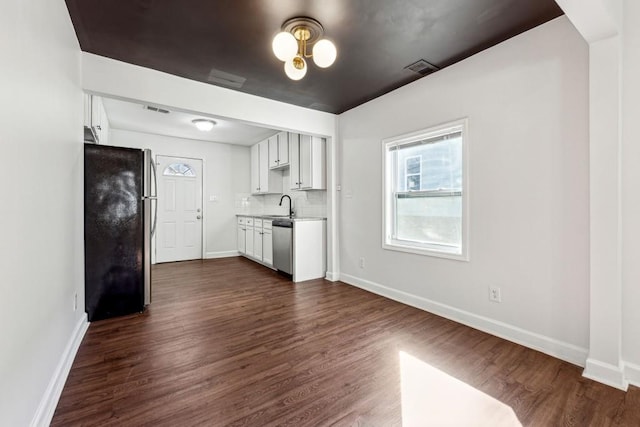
(228, 342)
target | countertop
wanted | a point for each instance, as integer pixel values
(295, 218)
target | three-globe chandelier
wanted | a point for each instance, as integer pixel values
(290, 46)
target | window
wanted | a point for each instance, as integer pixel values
(425, 197)
(413, 172)
(179, 169)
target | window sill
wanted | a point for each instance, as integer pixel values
(427, 252)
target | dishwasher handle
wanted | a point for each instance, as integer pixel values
(286, 223)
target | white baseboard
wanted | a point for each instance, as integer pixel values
(606, 373)
(632, 374)
(332, 276)
(225, 254)
(561, 350)
(49, 401)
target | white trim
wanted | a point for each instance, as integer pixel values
(332, 276)
(632, 374)
(49, 401)
(561, 350)
(222, 254)
(605, 373)
(203, 183)
(461, 125)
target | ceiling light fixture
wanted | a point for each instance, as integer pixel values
(290, 46)
(203, 124)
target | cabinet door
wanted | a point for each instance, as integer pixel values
(263, 161)
(104, 124)
(294, 161)
(273, 152)
(283, 148)
(267, 247)
(96, 112)
(249, 250)
(87, 110)
(305, 162)
(257, 243)
(255, 169)
(241, 239)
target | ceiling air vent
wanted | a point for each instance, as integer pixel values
(226, 79)
(422, 67)
(156, 109)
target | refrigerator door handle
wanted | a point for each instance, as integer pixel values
(154, 197)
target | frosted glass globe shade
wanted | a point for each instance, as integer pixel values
(204, 125)
(324, 53)
(295, 73)
(284, 46)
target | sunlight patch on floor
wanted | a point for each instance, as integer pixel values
(432, 398)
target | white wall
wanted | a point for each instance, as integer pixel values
(227, 172)
(41, 249)
(527, 104)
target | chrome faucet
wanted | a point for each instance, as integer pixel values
(290, 207)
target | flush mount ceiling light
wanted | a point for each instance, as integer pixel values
(290, 46)
(203, 124)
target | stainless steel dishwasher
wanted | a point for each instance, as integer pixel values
(283, 245)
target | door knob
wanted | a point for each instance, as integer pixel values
(198, 217)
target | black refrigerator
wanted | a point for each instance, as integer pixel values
(118, 226)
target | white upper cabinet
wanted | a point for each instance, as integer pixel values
(263, 179)
(307, 162)
(279, 150)
(263, 162)
(96, 122)
(255, 168)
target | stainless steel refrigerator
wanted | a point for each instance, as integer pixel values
(118, 227)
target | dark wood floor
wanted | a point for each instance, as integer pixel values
(229, 342)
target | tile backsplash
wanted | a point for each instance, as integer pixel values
(305, 203)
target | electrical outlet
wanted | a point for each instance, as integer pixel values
(494, 294)
(361, 263)
(75, 301)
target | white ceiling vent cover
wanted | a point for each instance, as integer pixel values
(155, 109)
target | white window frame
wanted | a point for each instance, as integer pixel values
(388, 199)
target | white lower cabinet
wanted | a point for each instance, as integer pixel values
(249, 249)
(242, 235)
(267, 243)
(255, 239)
(309, 250)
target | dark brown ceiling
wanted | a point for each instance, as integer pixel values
(376, 39)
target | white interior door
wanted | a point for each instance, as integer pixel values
(179, 229)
